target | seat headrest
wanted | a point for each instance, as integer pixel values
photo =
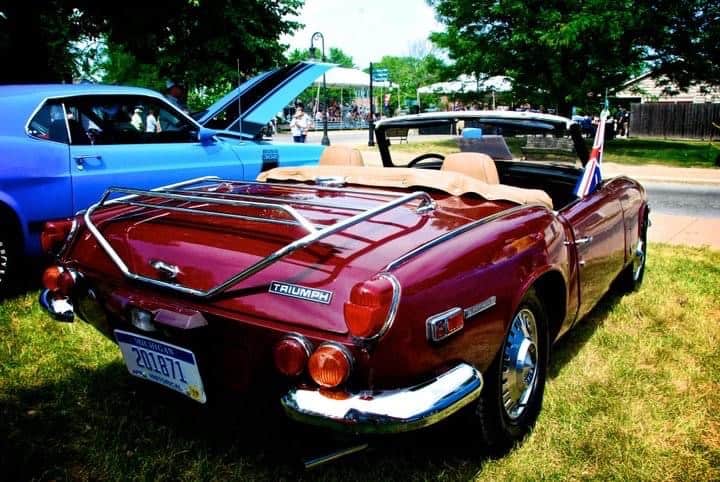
(474, 164)
(341, 156)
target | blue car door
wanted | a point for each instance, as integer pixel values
(137, 141)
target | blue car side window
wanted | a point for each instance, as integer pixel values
(49, 123)
(122, 119)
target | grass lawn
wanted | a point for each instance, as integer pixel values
(623, 151)
(633, 394)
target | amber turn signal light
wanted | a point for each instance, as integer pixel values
(291, 355)
(330, 365)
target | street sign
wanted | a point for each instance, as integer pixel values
(380, 74)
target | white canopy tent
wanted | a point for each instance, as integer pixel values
(351, 78)
(346, 78)
(467, 83)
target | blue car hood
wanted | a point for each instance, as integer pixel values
(260, 98)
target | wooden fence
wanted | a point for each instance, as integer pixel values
(681, 121)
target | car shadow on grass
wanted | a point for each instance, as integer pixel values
(103, 424)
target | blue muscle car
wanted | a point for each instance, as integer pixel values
(61, 146)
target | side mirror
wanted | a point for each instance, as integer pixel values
(206, 136)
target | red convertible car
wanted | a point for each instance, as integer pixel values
(382, 298)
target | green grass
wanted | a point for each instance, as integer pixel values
(661, 151)
(623, 151)
(633, 394)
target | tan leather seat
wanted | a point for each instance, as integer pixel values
(473, 164)
(341, 156)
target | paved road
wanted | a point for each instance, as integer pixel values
(684, 199)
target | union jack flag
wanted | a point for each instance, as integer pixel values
(592, 176)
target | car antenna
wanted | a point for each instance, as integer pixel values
(239, 96)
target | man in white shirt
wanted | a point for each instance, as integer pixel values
(300, 124)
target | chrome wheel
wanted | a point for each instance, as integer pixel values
(639, 260)
(519, 364)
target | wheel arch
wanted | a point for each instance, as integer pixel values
(9, 218)
(552, 291)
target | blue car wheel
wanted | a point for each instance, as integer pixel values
(8, 259)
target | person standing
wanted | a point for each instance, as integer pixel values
(136, 120)
(300, 124)
(151, 121)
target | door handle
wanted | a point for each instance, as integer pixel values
(580, 241)
(80, 159)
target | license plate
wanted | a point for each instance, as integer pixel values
(160, 362)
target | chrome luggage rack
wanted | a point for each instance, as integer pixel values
(182, 191)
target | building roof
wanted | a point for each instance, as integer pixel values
(650, 88)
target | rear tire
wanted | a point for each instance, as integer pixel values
(9, 253)
(632, 276)
(515, 382)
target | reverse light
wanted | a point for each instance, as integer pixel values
(291, 355)
(372, 304)
(55, 233)
(330, 365)
(444, 324)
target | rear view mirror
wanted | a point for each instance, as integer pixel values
(206, 136)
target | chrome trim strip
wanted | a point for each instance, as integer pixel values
(307, 187)
(306, 344)
(455, 232)
(165, 207)
(69, 238)
(387, 411)
(300, 219)
(479, 307)
(313, 235)
(301, 202)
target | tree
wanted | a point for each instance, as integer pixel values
(334, 56)
(409, 73)
(568, 53)
(198, 41)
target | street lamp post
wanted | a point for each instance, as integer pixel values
(325, 139)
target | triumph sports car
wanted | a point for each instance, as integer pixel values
(381, 298)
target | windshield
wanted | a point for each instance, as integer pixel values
(502, 139)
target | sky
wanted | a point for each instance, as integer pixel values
(366, 30)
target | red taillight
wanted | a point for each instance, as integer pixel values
(291, 355)
(369, 306)
(330, 365)
(59, 280)
(54, 234)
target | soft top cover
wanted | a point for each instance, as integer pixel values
(454, 183)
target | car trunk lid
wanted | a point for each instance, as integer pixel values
(200, 246)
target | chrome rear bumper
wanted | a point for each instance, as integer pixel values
(60, 309)
(387, 411)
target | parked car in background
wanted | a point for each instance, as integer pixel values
(61, 146)
(383, 299)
